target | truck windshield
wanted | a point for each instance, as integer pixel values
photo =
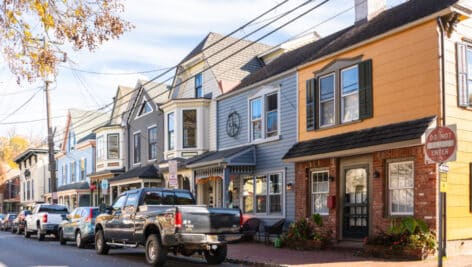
(53, 209)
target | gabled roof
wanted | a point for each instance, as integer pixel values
(84, 122)
(29, 152)
(386, 134)
(388, 20)
(157, 93)
(122, 99)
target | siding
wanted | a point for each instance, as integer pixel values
(458, 207)
(268, 155)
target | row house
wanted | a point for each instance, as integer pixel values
(76, 159)
(9, 189)
(367, 94)
(143, 124)
(35, 179)
(111, 149)
(215, 66)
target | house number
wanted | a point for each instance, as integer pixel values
(233, 124)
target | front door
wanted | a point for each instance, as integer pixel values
(356, 204)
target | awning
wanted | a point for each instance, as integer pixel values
(240, 156)
(74, 186)
(403, 134)
(106, 174)
(144, 172)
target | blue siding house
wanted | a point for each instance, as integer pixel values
(76, 158)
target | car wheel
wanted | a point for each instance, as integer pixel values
(62, 241)
(101, 246)
(18, 230)
(27, 234)
(216, 256)
(156, 254)
(39, 235)
(13, 230)
(78, 240)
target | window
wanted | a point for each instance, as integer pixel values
(189, 128)
(113, 146)
(400, 187)
(64, 175)
(263, 194)
(198, 86)
(145, 108)
(264, 116)
(319, 192)
(132, 200)
(464, 72)
(170, 131)
(72, 172)
(71, 141)
(137, 148)
(100, 148)
(152, 143)
(341, 93)
(256, 118)
(82, 169)
(327, 100)
(119, 203)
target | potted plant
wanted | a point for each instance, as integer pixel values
(307, 234)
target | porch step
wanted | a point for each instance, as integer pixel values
(349, 245)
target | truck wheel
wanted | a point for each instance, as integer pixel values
(62, 241)
(78, 240)
(101, 246)
(39, 235)
(156, 254)
(18, 231)
(216, 256)
(27, 234)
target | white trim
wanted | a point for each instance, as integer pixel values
(412, 162)
(182, 126)
(342, 95)
(312, 206)
(262, 94)
(144, 99)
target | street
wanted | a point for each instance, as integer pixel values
(17, 251)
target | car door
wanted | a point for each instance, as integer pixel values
(112, 231)
(69, 226)
(128, 216)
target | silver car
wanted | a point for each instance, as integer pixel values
(79, 226)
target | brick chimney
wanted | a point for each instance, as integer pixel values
(368, 9)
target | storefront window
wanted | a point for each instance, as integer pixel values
(263, 194)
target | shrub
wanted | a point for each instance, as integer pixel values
(307, 233)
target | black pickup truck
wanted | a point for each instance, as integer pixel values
(166, 220)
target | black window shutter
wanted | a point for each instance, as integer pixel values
(310, 105)
(316, 101)
(365, 90)
(462, 92)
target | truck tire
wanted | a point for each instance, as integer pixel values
(78, 240)
(27, 234)
(39, 235)
(217, 255)
(156, 254)
(101, 246)
(62, 241)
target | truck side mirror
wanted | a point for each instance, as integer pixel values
(109, 210)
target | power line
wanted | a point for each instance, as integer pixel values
(21, 106)
(113, 73)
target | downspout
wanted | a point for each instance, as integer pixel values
(443, 118)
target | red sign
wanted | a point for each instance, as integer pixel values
(441, 144)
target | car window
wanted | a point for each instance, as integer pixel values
(54, 209)
(152, 198)
(168, 198)
(184, 198)
(119, 203)
(132, 199)
(95, 212)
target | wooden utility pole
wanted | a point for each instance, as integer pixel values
(52, 161)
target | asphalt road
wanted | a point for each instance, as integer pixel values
(17, 251)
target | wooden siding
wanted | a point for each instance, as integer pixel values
(268, 155)
(405, 79)
(459, 217)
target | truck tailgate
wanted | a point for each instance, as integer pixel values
(201, 219)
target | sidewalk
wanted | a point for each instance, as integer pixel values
(264, 255)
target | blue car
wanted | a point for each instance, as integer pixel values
(79, 226)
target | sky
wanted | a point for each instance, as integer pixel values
(165, 32)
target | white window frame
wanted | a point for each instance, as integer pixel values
(107, 150)
(320, 114)
(349, 94)
(260, 119)
(82, 161)
(262, 94)
(144, 101)
(201, 85)
(182, 129)
(390, 189)
(469, 71)
(168, 139)
(149, 142)
(134, 152)
(313, 193)
(101, 148)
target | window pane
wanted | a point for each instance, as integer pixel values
(275, 204)
(320, 203)
(152, 143)
(113, 146)
(170, 131)
(272, 102)
(261, 204)
(350, 105)
(153, 198)
(190, 128)
(401, 184)
(256, 129)
(275, 184)
(256, 109)
(137, 148)
(469, 64)
(327, 113)
(261, 185)
(350, 80)
(248, 195)
(327, 88)
(272, 123)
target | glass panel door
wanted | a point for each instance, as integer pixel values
(355, 206)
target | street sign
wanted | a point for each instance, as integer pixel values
(173, 183)
(443, 182)
(104, 186)
(441, 144)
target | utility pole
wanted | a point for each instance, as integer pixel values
(52, 161)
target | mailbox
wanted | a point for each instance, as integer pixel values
(331, 202)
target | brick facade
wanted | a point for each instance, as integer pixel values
(425, 188)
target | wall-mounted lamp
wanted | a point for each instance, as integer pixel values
(289, 186)
(331, 178)
(376, 174)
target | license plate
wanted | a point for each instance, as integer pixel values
(215, 238)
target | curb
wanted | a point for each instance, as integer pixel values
(253, 263)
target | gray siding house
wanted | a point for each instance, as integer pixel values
(144, 138)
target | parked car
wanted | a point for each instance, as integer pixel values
(45, 220)
(2, 216)
(79, 226)
(7, 221)
(165, 220)
(19, 222)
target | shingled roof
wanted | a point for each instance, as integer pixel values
(388, 20)
(386, 134)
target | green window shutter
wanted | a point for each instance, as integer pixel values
(365, 90)
(462, 92)
(310, 104)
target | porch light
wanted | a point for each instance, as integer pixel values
(331, 178)
(289, 186)
(376, 174)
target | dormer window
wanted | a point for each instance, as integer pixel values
(145, 108)
(198, 86)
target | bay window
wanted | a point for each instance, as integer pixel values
(100, 148)
(113, 146)
(400, 187)
(189, 128)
